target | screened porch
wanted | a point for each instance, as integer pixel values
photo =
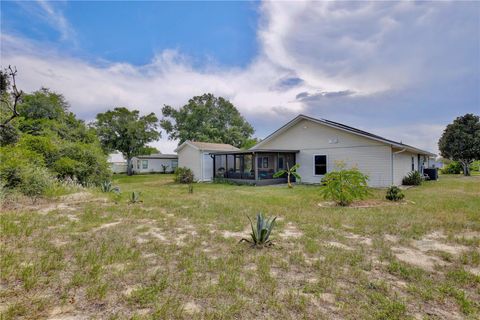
(255, 167)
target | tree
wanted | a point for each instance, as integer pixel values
(9, 100)
(289, 172)
(461, 141)
(207, 118)
(127, 132)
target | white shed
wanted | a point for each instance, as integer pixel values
(196, 156)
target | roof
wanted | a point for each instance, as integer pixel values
(250, 151)
(158, 156)
(207, 146)
(116, 157)
(342, 127)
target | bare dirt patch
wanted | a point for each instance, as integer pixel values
(417, 258)
(290, 231)
(339, 245)
(191, 307)
(106, 226)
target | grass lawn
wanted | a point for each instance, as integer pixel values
(176, 254)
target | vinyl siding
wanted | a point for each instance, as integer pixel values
(191, 158)
(154, 165)
(370, 157)
(403, 165)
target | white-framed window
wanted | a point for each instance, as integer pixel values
(144, 164)
(319, 164)
(174, 164)
(138, 164)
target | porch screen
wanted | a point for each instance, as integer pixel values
(320, 165)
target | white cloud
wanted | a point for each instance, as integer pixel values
(387, 67)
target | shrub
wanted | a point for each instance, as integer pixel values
(344, 186)
(35, 181)
(14, 161)
(183, 175)
(135, 197)
(66, 167)
(475, 166)
(412, 179)
(261, 231)
(190, 188)
(394, 193)
(453, 167)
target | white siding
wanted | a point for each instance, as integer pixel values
(154, 165)
(371, 157)
(403, 165)
(191, 158)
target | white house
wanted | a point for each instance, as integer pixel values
(197, 156)
(317, 145)
(117, 162)
(155, 163)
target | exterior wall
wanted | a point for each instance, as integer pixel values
(402, 165)
(154, 165)
(371, 157)
(191, 158)
(118, 167)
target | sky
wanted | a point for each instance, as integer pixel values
(402, 70)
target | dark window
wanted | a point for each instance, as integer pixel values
(280, 162)
(259, 162)
(265, 162)
(413, 164)
(320, 165)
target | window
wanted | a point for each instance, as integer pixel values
(320, 165)
(144, 164)
(413, 164)
(262, 162)
(280, 162)
(174, 164)
(138, 164)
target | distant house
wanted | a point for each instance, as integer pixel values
(197, 156)
(117, 162)
(317, 145)
(155, 163)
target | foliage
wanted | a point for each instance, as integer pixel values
(260, 235)
(127, 132)
(35, 182)
(289, 172)
(394, 193)
(45, 146)
(460, 141)
(164, 168)
(106, 186)
(183, 175)
(344, 186)
(475, 166)
(190, 188)
(454, 167)
(8, 135)
(209, 119)
(14, 161)
(413, 178)
(135, 197)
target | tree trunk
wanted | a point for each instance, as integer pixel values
(288, 180)
(129, 166)
(466, 168)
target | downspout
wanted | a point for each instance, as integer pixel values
(393, 154)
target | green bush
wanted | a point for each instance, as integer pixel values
(14, 161)
(475, 166)
(344, 186)
(183, 175)
(394, 193)
(453, 167)
(35, 182)
(44, 146)
(69, 168)
(413, 178)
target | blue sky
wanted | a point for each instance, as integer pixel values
(399, 69)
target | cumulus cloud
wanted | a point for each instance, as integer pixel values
(388, 68)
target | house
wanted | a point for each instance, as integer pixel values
(317, 145)
(117, 162)
(155, 163)
(197, 156)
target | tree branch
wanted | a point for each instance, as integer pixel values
(17, 95)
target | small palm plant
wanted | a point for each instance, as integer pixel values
(261, 232)
(289, 172)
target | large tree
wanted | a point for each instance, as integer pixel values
(207, 118)
(461, 141)
(127, 132)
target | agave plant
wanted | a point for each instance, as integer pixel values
(106, 186)
(190, 188)
(261, 232)
(135, 197)
(289, 172)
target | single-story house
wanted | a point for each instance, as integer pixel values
(155, 163)
(317, 145)
(197, 156)
(117, 162)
